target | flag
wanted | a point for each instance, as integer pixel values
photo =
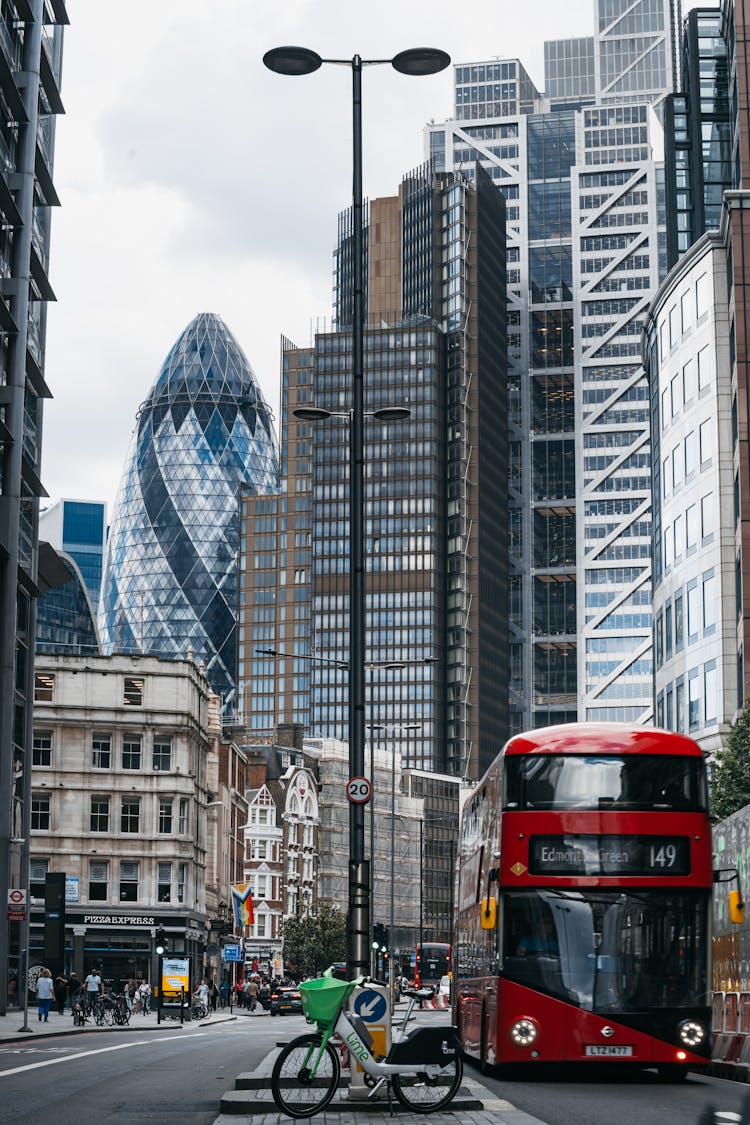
(242, 903)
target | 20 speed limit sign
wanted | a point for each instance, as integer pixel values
(358, 790)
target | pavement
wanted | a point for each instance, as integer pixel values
(251, 1103)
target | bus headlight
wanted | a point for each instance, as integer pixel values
(691, 1033)
(523, 1033)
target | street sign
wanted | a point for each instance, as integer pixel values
(17, 903)
(358, 790)
(232, 953)
(370, 1005)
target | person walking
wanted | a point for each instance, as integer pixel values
(93, 985)
(74, 990)
(44, 994)
(144, 992)
(252, 993)
(61, 992)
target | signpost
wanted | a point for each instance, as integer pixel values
(174, 984)
(18, 902)
(358, 790)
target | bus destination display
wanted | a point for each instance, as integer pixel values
(609, 855)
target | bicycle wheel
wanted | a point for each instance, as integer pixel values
(109, 1016)
(98, 1015)
(294, 1090)
(422, 1094)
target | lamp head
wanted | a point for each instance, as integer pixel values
(311, 413)
(292, 60)
(420, 60)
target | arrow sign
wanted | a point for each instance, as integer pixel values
(370, 1005)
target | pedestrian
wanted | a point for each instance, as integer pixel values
(214, 995)
(93, 985)
(224, 993)
(145, 995)
(130, 994)
(74, 990)
(239, 995)
(44, 993)
(252, 993)
(203, 993)
(61, 992)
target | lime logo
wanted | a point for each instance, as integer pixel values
(357, 1046)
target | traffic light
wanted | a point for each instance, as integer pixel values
(160, 942)
(380, 936)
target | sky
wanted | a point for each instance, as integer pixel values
(192, 179)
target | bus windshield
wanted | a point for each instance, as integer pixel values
(664, 783)
(609, 951)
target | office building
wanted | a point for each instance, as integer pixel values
(584, 185)
(30, 68)
(65, 616)
(79, 528)
(170, 572)
(435, 494)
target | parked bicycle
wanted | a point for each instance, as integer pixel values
(424, 1067)
(199, 1009)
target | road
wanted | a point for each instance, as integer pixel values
(178, 1075)
(123, 1077)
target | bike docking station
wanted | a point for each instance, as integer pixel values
(369, 1009)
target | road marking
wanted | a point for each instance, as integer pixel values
(97, 1051)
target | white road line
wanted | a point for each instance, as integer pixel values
(97, 1051)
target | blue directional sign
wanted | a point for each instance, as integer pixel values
(232, 952)
(370, 1005)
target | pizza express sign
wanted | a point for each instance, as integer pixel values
(120, 920)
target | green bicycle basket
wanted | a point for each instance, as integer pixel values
(322, 997)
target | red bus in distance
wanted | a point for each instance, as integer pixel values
(433, 961)
(584, 890)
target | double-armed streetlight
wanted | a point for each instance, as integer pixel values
(297, 61)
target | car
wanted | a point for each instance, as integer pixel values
(286, 998)
(264, 997)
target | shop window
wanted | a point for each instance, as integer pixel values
(128, 881)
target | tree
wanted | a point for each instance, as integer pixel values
(314, 940)
(730, 772)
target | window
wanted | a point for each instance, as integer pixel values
(164, 882)
(181, 881)
(38, 869)
(100, 814)
(163, 754)
(675, 393)
(710, 609)
(40, 814)
(693, 611)
(674, 334)
(710, 691)
(686, 309)
(691, 527)
(132, 695)
(690, 453)
(668, 631)
(261, 888)
(182, 825)
(44, 687)
(165, 814)
(677, 464)
(679, 537)
(98, 880)
(705, 441)
(679, 623)
(260, 925)
(688, 380)
(694, 700)
(128, 881)
(708, 515)
(704, 369)
(130, 815)
(701, 295)
(680, 705)
(101, 751)
(131, 752)
(41, 753)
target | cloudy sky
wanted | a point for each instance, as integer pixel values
(194, 180)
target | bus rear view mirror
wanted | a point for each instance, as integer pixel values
(736, 909)
(489, 913)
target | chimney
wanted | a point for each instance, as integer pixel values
(290, 734)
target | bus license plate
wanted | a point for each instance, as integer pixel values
(610, 1050)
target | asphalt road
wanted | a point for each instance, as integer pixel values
(163, 1076)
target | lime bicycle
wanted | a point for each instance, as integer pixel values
(424, 1067)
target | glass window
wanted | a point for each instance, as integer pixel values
(689, 385)
(693, 611)
(704, 369)
(128, 881)
(182, 825)
(691, 453)
(163, 754)
(133, 691)
(131, 752)
(680, 705)
(101, 751)
(708, 515)
(38, 869)
(705, 441)
(679, 622)
(674, 332)
(98, 880)
(702, 296)
(44, 687)
(694, 699)
(41, 753)
(675, 393)
(686, 310)
(181, 881)
(710, 607)
(40, 813)
(578, 781)
(99, 814)
(165, 815)
(691, 527)
(164, 882)
(130, 814)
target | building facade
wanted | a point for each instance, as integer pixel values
(30, 69)
(583, 181)
(120, 750)
(79, 528)
(170, 574)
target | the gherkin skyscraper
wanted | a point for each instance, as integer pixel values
(170, 571)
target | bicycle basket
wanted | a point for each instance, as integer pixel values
(322, 998)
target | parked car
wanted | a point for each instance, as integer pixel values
(264, 997)
(286, 998)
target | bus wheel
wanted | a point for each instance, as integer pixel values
(671, 1072)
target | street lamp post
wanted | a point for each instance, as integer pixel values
(300, 61)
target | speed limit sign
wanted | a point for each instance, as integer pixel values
(358, 790)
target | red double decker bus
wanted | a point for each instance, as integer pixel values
(584, 887)
(432, 962)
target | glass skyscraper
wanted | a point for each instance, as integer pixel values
(79, 528)
(170, 571)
